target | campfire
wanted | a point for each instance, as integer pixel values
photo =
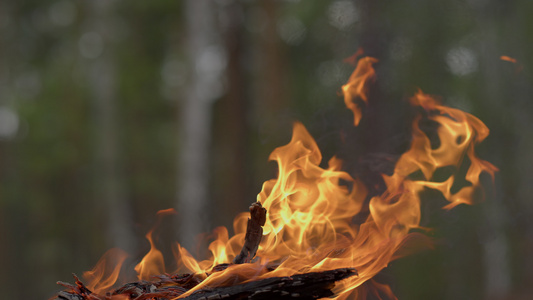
(299, 239)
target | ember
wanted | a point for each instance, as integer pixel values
(307, 245)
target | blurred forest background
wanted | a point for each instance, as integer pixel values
(112, 110)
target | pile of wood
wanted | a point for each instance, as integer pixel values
(312, 285)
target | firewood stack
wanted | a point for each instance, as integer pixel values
(311, 285)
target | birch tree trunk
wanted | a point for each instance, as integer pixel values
(96, 47)
(207, 63)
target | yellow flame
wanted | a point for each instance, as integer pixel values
(458, 133)
(153, 262)
(310, 209)
(106, 272)
(356, 88)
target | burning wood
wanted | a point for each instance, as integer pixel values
(254, 233)
(312, 285)
(308, 242)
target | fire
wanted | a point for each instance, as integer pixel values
(153, 262)
(309, 224)
(508, 58)
(458, 133)
(519, 67)
(106, 272)
(357, 86)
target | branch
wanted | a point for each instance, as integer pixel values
(312, 285)
(254, 233)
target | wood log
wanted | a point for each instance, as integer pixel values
(313, 285)
(254, 233)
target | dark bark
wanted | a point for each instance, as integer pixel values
(254, 233)
(231, 121)
(313, 285)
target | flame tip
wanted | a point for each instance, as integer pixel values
(508, 58)
(168, 211)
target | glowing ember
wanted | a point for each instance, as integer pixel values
(519, 67)
(508, 58)
(309, 226)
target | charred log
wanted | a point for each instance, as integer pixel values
(254, 233)
(313, 285)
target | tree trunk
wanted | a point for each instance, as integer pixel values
(230, 180)
(494, 238)
(101, 76)
(207, 63)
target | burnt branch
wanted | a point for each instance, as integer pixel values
(254, 233)
(312, 285)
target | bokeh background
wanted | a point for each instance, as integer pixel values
(112, 110)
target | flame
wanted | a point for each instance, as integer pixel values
(356, 88)
(106, 272)
(519, 67)
(352, 60)
(508, 58)
(310, 209)
(458, 133)
(153, 262)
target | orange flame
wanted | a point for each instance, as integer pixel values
(352, 60)
(508, 58)
(458, 133)
(519, 67)
(356, 88)
(310, 209)
(106, 272)
(153, 262)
